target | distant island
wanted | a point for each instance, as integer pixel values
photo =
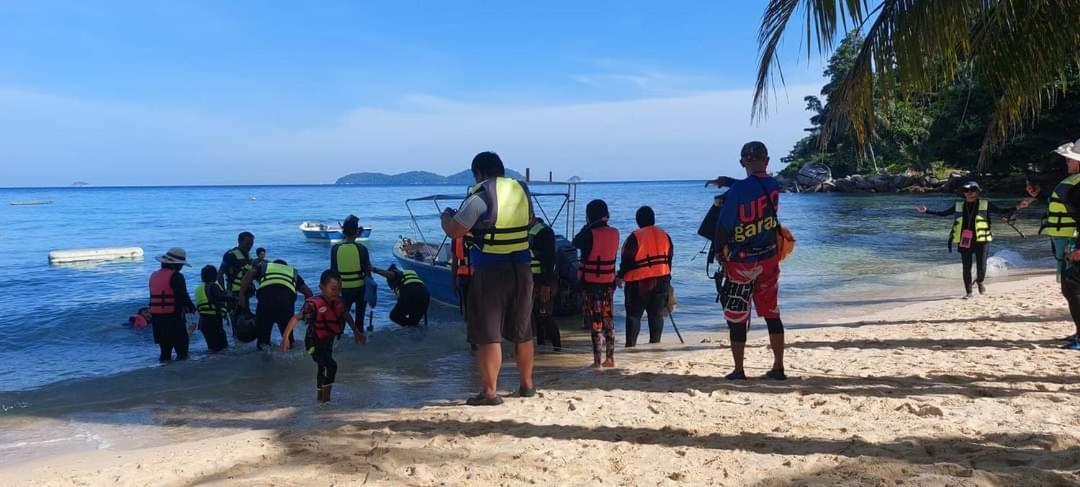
(463, 178)
(80, 183)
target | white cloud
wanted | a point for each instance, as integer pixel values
(55, 140)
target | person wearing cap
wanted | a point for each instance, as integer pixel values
(971, 231)
(747, 227)
(278, 286)
(350, 259)
(1057, 222)
(169, 301)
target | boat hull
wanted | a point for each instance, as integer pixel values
(436, 276)
(333, 235)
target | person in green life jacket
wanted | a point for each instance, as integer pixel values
(279, 284)
(212, 303)
(350, 259)
(545, 283)
(971, 231)
(413, 297)
(235, 264)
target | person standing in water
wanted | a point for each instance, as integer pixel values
(971, 231)
(326, 317)
(169, 301)
(350, 259)
(545, 282)
(747, 228)
(279, 283)
(646, 269)
(599, 246)
(496, 217)
(235, 264)
(212, 302)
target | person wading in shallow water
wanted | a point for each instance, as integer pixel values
(747, 226)
(169, 301)
(646, 269)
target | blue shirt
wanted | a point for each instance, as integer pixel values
(747, 223)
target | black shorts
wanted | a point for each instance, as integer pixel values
(500, 304)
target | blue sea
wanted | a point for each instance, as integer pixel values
(66, 322)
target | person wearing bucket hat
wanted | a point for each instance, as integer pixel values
(1057, 222)
(971, 231)
(169, 301)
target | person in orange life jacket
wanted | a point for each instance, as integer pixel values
(278, 285)
(169, 301)
(460, 277)
(545, 283)
(326, 316)
(747, 225)
(140, 320)
(599, 246)
(971, 232)
(212, 302)
(413, 297)
(646, 270)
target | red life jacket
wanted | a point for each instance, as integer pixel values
(653, 257)
(461, 258)
(329, 317)
(162, 298)
(599, 266)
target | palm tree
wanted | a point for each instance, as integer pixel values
(1023, 50)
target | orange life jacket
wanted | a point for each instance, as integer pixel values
(653, 257)
(461, 258)
(329, 318)
(162, 298)
(599, 266)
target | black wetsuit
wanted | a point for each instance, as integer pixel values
(276, 305)
(412, 303)
(212, 326)
(544, 326)
(978, 251)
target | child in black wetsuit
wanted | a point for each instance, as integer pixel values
(326, 317)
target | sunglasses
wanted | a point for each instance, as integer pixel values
(970, 190)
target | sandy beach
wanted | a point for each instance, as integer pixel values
(924, 392)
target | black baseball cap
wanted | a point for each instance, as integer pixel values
(754, 151)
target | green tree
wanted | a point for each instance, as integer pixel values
(1020, 51)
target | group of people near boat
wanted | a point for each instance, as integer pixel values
(504, 267)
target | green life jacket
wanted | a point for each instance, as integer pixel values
(504, 228)
(534, 263)
(348, 265)
(1057, 222)
(982, 223)
(237, 276)
(407, 277)
(202, 302)
(279, 275)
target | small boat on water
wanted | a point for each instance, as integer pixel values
(72, 256)
(328, 233)
(31, 203)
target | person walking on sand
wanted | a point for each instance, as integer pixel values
(279, 283)
(748, 225)
(326, 317)
(646, 270)
(169, 301)
(545, 282)
(496, 218)
(971, 231)
(599, 246)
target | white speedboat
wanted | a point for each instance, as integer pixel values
(328, 233)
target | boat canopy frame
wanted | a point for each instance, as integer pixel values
(568, 204)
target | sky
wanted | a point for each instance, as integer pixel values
(264, 92)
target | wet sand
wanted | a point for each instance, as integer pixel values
(928, 391)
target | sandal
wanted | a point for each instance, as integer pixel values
(776, 374)
(736, 375)
(480, 400)
(523, 392)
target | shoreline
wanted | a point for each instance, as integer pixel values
(927, 392)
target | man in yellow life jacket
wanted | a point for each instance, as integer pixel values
(413, 297)
(1058, 223)
(545, 283)
(495, 219)
(350, 259)
(971, 231)
(646, 269)
(278, 286)
(235, 264)
(598, 243)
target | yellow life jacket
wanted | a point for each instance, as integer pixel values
(982, 223)
(534, 263)
(245, 266)
(504, 228)
(348, 265)
(279, 275)
(202, 302)
(407, 277)
(1058, 222)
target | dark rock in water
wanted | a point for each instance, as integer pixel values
(814, 175)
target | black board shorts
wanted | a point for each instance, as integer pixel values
(500, 303)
